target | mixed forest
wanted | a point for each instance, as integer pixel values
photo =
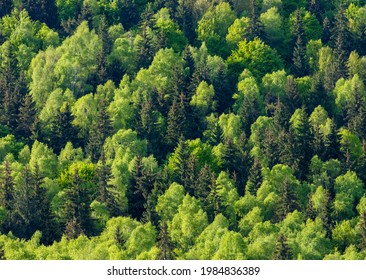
(182, 129)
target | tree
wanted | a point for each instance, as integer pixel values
(62, 130)
(176, 121)
(166, 248)
(248, 101)
(77, 200)
(26, 117)
(186, 19)
(301, 140)
(99, 131)
(341, 41)
(283, 252)
(213, 27)
(299, 54)
(187, 224)
(255, 25)
(7, 196)
(106, 192)
(256, 56)
(237, 32)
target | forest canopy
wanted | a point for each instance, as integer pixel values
(182, 129)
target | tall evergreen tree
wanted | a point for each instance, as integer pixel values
(107, 194)
(62, 130)
(301, 140)
(255, 177)
(145, 48)
(326, 34)
(141, 185)
(205, 180)
(7, 197)
(292, 100)
(99, 131)
(255, 25)
(299, 54)
(165, 245)
(288, 200)
(341, 40)
(77, 213)
(185, 18)
(283, 251)
(25, 118)
(176, 121)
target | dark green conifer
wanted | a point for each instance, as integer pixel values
(165, 245)
(283, 252)
(99, 131)
(299, 54)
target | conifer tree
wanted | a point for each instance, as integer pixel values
(77, 213)
(222, 92)
(189, 178)
(301, 139)
(315, 8)
(362, 226)
(176, 121)
(62, 130)
(7, 188)
(326, 34)
(7, 197)
(292, 101)
(288, 200)
(255, 25)
(25, 118)
(341, 39)
(204, 182)
(235, 159)
(141, 185)
(165, 244)
(99, 131)
(299, 54)
(255, 177)
(325, 214)
(283, 252)
(145, 46)
(182, 173)
(185, 18)
(107, 193)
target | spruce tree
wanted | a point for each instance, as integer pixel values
(181, 173)
(164, 244)
(77, 212)
(176, 121)
(292, 101)
(145, 46)
(288, 201)
(255, 25)
(99, 131)
(326, 34)
(203, 187)
(62, 130)
(7, 188)
(25, 118)
(283, 252)
(189, 178)
(7, 197)
(107, 194)
(301, 140)
(140, 187)
(315, 8)
(299, 54)
(341, 40)
(255, 177)
(185, 18)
